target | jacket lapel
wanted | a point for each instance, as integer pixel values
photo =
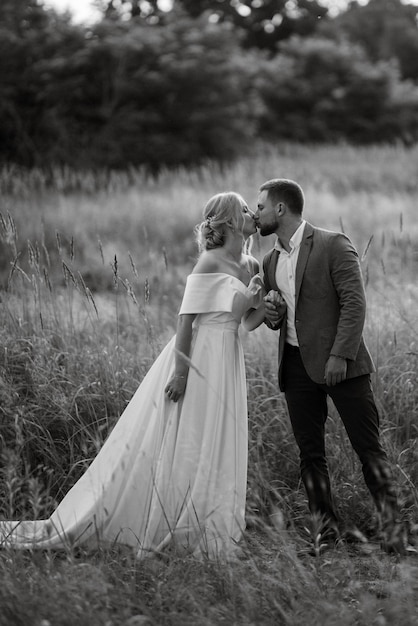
(272, 269)
(304, 251)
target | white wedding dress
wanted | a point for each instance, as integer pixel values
(169, 474)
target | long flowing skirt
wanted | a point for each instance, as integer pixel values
(169, 473)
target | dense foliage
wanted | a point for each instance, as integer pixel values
(144, 87)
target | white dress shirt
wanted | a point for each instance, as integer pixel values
(285, 279)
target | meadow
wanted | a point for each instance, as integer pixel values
(92, 270)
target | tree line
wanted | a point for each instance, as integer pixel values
(204, 80)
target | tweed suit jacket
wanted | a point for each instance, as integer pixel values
(330, 303)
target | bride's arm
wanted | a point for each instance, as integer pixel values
(253, 318)
(177, 384)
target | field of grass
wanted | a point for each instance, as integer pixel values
(92, 269)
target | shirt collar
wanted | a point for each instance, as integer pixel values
(295, 240)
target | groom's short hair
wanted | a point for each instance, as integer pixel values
(287, 191)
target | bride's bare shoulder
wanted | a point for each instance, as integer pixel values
(208, 263)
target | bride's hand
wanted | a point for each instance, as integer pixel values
(275, 308)
(176, 387)
(256, 282)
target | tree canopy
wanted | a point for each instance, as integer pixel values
(147, 87)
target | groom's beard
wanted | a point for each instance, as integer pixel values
(268, 229)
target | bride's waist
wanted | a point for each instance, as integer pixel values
(218, 322)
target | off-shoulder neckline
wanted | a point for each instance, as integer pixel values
(224, 274)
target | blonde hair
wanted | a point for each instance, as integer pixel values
(222, 211)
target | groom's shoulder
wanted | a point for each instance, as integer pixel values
(318, 231)
(324, 234)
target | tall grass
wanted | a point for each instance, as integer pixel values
(93, 268)
(368, 191)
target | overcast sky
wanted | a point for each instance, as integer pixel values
(83, 11)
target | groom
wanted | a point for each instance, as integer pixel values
(320, 310)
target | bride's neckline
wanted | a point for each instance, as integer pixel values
(223, 274)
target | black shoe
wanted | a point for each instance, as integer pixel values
(357, 542)
(323, 534)
(354, 536)
(330, 533)
(327, 539)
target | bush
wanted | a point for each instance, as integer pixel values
(323, 90)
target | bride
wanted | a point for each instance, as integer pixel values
(173, 471)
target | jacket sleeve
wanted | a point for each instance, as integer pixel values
(348, 283)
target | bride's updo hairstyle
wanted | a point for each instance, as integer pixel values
(224, 210)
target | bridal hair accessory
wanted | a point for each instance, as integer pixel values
(208, 221)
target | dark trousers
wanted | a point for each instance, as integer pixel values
(353, 398)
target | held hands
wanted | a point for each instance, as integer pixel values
(275, 308)
(175, 387)
(335, 370)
